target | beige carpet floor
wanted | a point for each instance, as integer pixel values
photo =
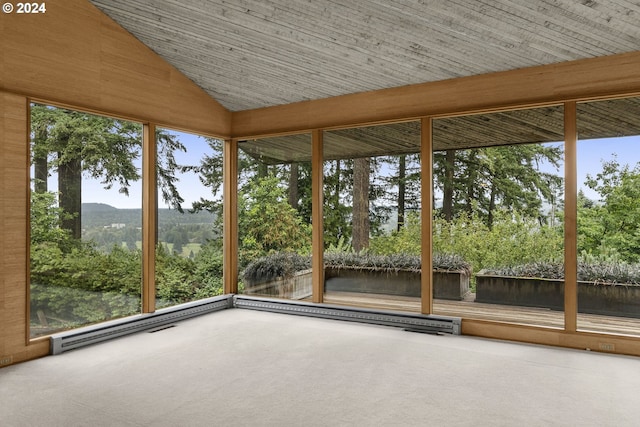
(247, 368)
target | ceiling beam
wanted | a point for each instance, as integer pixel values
(594, 78)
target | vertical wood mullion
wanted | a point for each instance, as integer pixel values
(149, 218)
(570, 218)
(230, 217)
(426, 156)
(317, 243)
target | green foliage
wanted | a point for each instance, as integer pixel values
(208, 271)
(393, 262)
(588, 271)
(612, 227)
(267, 223)
(493, 177)
(107, 146)
(339, 246)
(407, 240)
(174, 282)
(181, 279)
(338, 186)
(273, 266)
(512, 240)
(46, 219)
(84, 285)
(78, 284)
(286, 264)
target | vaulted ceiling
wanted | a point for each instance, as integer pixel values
(256, 53)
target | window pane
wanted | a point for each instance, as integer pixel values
(498, 199)
(372, 205)
(609, 216)
(85, 219)
(274, 217)
(189, 248)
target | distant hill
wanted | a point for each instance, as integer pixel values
(104, 215)
(88, 208)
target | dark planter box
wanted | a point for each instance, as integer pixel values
(453, 285)
(595, 298)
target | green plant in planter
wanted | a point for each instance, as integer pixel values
(273, 266)
(394, 262)
(286, 264)
(588, 271)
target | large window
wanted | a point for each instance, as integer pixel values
(498, 202)
(274, 217)
(189, 233)
(372, 205)
(609, 216)
(85, 219)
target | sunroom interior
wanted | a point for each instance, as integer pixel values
(287, 82)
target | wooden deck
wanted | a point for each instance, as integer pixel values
(468, 309)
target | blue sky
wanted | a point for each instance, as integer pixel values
(591, 153)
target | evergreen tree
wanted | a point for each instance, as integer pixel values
(74, 143)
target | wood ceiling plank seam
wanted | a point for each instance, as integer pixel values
(556, 34)
(400, 80)
(590, 26)
(581, 34)
(596, 23)
(397, 64)
(485, 30)
(410, 39)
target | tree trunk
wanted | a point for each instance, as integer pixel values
(447, 191)
(41, 173)
(337, 189)
(293, 186)
(40, 164)
(492, 206)
(402, 188)
(70, 188)
(263, 170)
(361, 225)
(471, 180)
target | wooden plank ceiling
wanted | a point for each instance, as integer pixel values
(250, 54)
(256, 53)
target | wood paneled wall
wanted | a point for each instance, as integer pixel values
(76, 55)
(14, 180)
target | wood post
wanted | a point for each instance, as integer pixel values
(570, 218)
(317, 252)
(230, 217)
(426, 158)
(149, 218)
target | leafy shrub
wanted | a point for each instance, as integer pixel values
(599, 272)
(286, 264)
(271, 267)
(512, 240)
(208, 271)
(394, 262)
(267, 223)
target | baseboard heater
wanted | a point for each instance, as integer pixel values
(75, 338)
(408, 321)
